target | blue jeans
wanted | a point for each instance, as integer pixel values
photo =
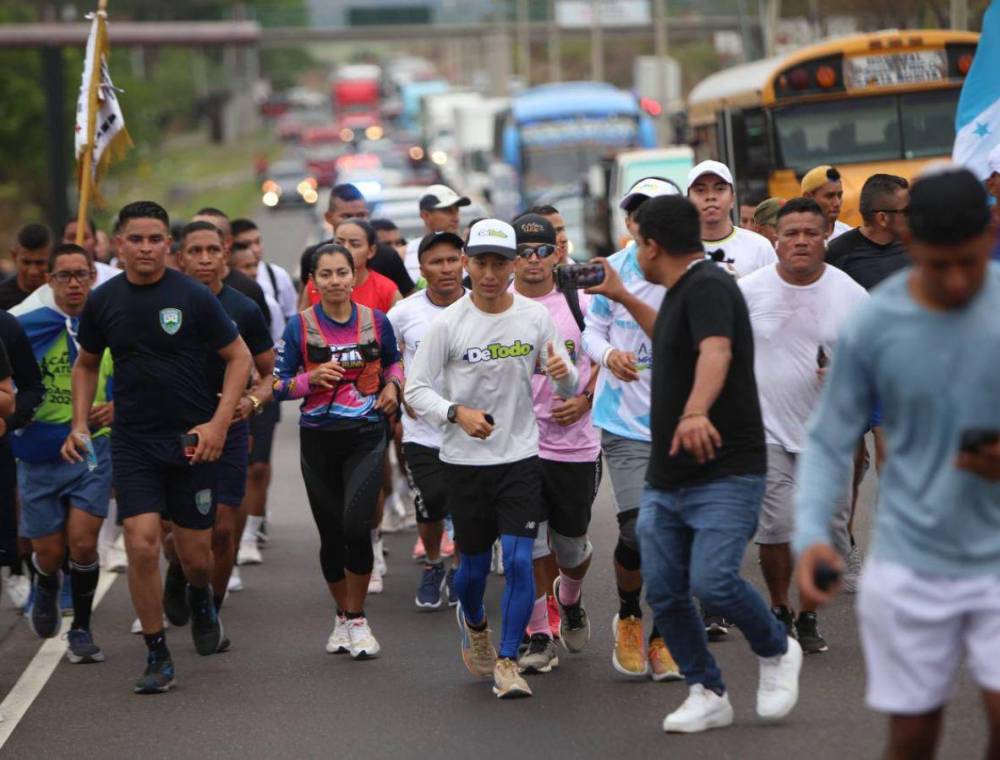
(692, 542)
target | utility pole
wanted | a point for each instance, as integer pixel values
(660, 49)
(770, 17)
(55, 91)
(523, 41)
(959, 14)
(596, 42)
(555, 51)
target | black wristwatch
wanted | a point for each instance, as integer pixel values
(590, 398)
(453, 413)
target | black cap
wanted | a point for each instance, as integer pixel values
(534, 228)
(427, 241)
(948, 204)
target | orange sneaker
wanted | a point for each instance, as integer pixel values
(419, 552)
(629, 654)
(661, 663)
(447, 545)
(555, 620)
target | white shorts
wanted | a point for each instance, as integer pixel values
(916, 629)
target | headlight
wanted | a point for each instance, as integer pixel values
(416, 153)
(270, 199)
(439, 157)
(374, 132)
(347, 134)
(310, 197)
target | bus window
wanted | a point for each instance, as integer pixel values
(840, 132)
(929, 122)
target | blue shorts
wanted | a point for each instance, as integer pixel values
(48, 489)
(876, 417)
(232, 478)
(151, 474)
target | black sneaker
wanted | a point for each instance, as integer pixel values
(717, 627)
(175, 603)
(206, 627)
(159, 675)
(786, 617)
(45, 615)
(808, 634)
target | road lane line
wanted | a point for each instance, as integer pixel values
(41, 668)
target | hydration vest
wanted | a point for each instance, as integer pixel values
(316, 349)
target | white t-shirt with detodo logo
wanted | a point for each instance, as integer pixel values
(485, 361)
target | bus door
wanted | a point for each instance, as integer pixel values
(745, 146)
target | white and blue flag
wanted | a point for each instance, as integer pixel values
(977, 121)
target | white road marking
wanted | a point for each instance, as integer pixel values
(40, 669)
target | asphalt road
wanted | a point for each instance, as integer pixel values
(278, 694)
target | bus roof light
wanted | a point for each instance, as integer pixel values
(964, 63)
(826, 77)
(798, 79)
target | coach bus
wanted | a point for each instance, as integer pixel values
(553, 133)
(878, 102)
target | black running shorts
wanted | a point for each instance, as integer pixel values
(488, 501)
(568, 493)
(428, 479)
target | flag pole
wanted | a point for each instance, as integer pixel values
(86, 180)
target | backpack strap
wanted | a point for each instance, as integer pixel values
(274, 280)
(573, 301)
(310, 328)
(366, 326)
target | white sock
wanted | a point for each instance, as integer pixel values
(251, 528)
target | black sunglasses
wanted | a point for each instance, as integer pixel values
(544, 251)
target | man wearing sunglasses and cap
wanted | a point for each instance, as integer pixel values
(439, 207)
(739, 251)
(614, 340)
(823, 185)
(472, 376)
(569, 452)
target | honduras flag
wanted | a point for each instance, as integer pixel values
(977, 122)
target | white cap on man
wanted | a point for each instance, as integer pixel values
(492, 236)
(441, 196)
(717, 168)
(650, 187)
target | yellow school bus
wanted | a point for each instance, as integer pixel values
(879, 102)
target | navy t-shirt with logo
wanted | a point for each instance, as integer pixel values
(249, 321)
(158, 335)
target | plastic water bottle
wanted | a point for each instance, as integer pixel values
(90, 456)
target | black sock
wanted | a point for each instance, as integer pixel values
(628, 603)
(84, 579)
(199, 596)
(175, 571)
(156, 643)
(48, 581)
(354, 615)
(218, 599)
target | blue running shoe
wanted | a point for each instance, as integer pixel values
(206, 627)
(452, 596)
(432, 585)
(159, 675)
(66, 596)
(45, 617)
(82, 649)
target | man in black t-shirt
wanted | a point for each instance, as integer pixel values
(31, 259)
(203, 257)
(706, 470)
(875, 250)
(159, 326)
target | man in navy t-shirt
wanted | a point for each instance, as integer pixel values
(202, 257)
(159, 325)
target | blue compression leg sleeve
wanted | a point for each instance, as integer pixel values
(518, 594)
(470, 584)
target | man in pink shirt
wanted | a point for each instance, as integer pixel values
(569, 450)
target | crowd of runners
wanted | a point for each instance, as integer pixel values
(724, 378)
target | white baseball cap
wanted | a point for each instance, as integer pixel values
(717, 168)
(492, 236)
(993, 160)
(441, 196)
(650, 187)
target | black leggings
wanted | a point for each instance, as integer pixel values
(342, 470)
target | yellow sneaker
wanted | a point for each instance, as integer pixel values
(629, 656)
(507, 680)
(478, 653)
(661, 663)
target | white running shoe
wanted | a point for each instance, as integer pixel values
(778, 690)
(115, 558)
(378, 549)
(363, 643)
(852, 573)
(235, 582)
(703, 709)
(137, 625)
(249, 553)
(19, 590)
(340, 640)
(375, 583)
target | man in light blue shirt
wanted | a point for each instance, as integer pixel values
(927, 345)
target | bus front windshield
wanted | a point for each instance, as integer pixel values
(859, 130)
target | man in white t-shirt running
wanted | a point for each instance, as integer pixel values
(440, 256)
(797, 308)
(569, 451)
(439, 210)
(614, 340)
(823, 184)
(739, 251)
(472, 376)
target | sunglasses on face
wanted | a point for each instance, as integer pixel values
(544, 251)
